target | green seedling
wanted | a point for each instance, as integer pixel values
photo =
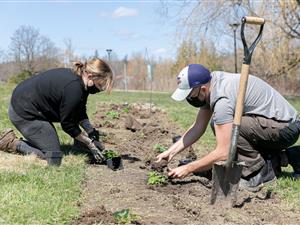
(160, 148)
(109, 154)
(155, 178)
(126, 110)
(113, 114)
(125, 217)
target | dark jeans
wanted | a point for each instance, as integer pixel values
(260, 138)
(41, 136)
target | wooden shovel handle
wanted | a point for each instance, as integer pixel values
(241, 95)
(254, 20)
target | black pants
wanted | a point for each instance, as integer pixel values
(41, 136)
(261, 137)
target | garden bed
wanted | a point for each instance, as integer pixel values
(176, 202)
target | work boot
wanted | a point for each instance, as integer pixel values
(9, 141)
(255, 182)
(293, 154)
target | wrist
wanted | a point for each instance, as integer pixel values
(190, 168)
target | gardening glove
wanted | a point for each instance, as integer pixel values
(94, 134)
(96, 151)
(99, 145)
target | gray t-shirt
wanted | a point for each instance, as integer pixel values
(261, 99)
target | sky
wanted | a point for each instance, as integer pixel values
(126, 27)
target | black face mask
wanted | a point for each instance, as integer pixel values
(196, 102)
(92, 89)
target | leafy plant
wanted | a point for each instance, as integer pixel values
(160, 148)
(125, 216)
(109, 154)
(126, 110)
(113, 114)
(154, 178)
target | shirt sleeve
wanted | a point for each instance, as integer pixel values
(223, 111)
(71, 108)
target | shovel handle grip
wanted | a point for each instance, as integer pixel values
(254, 20)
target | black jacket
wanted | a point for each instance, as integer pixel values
(57, 95)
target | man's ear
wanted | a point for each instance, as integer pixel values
(203, 89)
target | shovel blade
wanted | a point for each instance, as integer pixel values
(226, 182)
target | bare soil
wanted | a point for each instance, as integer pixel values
(179, 202)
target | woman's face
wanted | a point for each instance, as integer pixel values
(94, 83)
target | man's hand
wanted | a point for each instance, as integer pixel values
(94, 135)
(167, 155)
(179, 172)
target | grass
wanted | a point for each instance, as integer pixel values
(36, 194)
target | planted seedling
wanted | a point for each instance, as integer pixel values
(126, 110)
(109, 154)
(160, 148)
(125, 216)
(155, 178)
(113, 114)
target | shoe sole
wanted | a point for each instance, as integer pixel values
(259, 187)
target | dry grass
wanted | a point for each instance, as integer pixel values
(18, 163)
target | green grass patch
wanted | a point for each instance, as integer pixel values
(42, 194)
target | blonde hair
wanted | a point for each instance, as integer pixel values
(99, 68)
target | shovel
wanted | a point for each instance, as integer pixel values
(226, 175)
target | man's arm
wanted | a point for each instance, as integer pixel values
(220, 153)
(190, 136)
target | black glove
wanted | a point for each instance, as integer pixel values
(99, 145)
(98, 155)
(94, 135)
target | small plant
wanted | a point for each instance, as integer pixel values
(155, 178)
(109, 154)
(160, 148)
(113, 114)
(125, 217)
(126, 110)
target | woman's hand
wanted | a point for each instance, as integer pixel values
(96, 151)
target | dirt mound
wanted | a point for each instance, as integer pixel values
(180, 201)
(95, 216)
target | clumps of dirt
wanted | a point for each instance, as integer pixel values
(132, 124)
(161, 166)
(96, 216)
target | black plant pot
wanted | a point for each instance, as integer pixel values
(54, 158)
(176, 138)
(115, 163)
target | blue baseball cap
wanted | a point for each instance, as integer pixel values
(190, 77)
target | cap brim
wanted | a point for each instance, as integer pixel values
(180, 94)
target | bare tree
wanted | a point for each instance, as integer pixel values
(28, 46)
(68, 52)
(277, 56)
(290, 14)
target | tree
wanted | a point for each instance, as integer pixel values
(68, 52)
(209, 20)
(96, 55)
(28, 47)
(289, 13)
